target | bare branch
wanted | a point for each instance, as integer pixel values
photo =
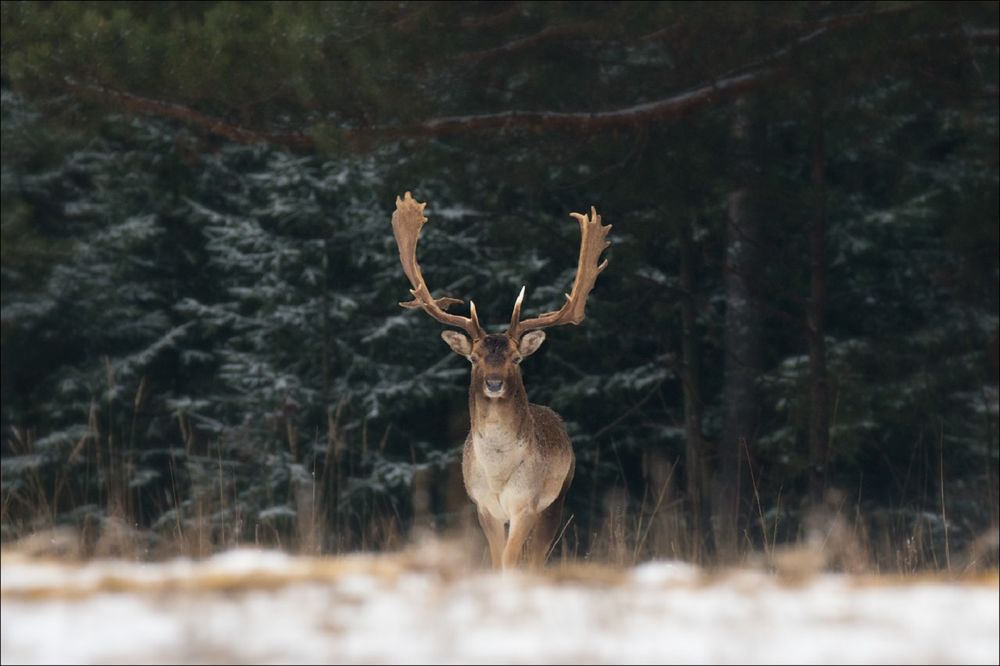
(672, 107)
(217, 126)
(732, 84)
(493, 20)
(820, 28)
(983, 36)
(663, 109)
(547, 34)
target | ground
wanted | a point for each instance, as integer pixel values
(252, 606)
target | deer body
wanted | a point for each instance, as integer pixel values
(506, 472)
(518, 461)
(517, 464)
(515, 451)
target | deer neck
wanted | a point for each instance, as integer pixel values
(505, 418)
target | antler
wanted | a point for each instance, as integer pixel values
(592, 243)
(406, 224)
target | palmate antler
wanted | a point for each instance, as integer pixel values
(592, 244)
(406, 224)
(409, 219)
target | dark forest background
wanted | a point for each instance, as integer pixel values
(796, 338)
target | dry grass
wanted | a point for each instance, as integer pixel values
(625, 527)
(833, 537)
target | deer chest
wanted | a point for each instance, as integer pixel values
(498, 454)
(497, 468)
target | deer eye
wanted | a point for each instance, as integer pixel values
(517, 360)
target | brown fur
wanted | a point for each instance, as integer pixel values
(518, 460)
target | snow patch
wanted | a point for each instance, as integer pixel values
(249, 606)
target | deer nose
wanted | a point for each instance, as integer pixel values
(494, 385)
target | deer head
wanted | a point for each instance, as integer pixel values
(495, 357)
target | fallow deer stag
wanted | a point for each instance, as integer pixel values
(518, 461)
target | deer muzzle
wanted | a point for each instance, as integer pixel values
(494, 387)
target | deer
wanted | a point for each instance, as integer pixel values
(517, 460)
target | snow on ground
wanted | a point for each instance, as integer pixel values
(266, 607)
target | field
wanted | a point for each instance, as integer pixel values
(427, 605)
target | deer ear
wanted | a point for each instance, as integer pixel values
(530, 342)
(459, 343)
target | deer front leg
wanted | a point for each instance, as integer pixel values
(521, 525)
(494, 531)
(545, 533)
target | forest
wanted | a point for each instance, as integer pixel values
(795, 340)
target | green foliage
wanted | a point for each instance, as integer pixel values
(193, 327)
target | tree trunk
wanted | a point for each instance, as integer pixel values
(742, 343)
(819, 413)
(696, 471)
(325, 304)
